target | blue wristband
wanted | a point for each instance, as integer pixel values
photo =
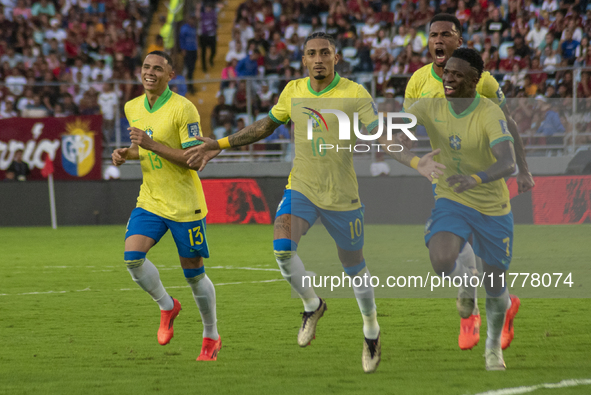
(483, 176)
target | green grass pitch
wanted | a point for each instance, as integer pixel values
(73, 322)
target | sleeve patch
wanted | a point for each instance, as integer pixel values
(504, 127)
(193, 129)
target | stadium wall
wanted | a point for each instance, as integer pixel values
(388, 200)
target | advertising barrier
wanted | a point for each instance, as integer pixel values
(74, 144)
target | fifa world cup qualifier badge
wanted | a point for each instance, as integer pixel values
(194, 129)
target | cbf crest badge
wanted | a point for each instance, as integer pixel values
(455, 142)
(194, 129)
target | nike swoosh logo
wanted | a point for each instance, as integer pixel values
(437, 120)
(355, 242)
(425, 94)
(135, 120)
(295, 104)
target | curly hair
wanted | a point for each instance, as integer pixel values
(471, 56)
(323, 36)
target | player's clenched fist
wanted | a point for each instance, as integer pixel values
(140, 138)
(119, 156)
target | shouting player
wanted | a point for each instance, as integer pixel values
(163, 124)
(445, 36)
(320, 186)
(472, 199)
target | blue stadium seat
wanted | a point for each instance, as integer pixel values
(245, 117)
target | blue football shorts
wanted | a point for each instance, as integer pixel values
(189, 237)
(492, 235)
(345, 227)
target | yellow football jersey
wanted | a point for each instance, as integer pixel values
(424, 83)
(325, 176)
(168, 190)
(465, 141)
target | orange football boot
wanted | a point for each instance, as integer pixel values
(469, 332)
(166, 331)
(508, 333)
(210, 349)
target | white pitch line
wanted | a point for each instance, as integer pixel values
(525, 390)
(138, 289)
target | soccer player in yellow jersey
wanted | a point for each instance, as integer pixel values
(162, 124)
(472, 199)
(321, 185)
(445, 36)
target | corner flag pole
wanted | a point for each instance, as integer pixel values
(52, 201)
(47, 171)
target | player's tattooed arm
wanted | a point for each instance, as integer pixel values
(257, 131)
(198, 156)
(503, 167)
(525, 181)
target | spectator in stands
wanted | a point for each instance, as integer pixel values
(506, 65)
(188, 46)
(222, 113)
(7, 108)
(238, 52)
(521, 49)
(13, 58)
(18, 167)
(25, 100)
(568, 47)
(582, 52)
(584, 86)
(551, 123)
(240, 98)
(35, 110)
(208, 33)
(108, 102)
(536, 36)
(15, 82)
(273, 61)
(248, 67)
(265, 96)
(497, 25)
(369, 31)
(43, 7)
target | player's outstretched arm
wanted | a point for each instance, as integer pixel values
(525, 181)
(198, 156)
(503, 167)
(426, 166)
(173, 155)
(120, 155)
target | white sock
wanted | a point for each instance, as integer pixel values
(147, 277)
(496, 308)
(466, 264)
(204, 295)
(292, 269)
(366, 301)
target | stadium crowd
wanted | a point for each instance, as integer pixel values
(87, 43)
(523, 43)
(82, 44)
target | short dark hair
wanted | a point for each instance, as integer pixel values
(323, 36)
(445, 17)
(164, 55)
(471, 56)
